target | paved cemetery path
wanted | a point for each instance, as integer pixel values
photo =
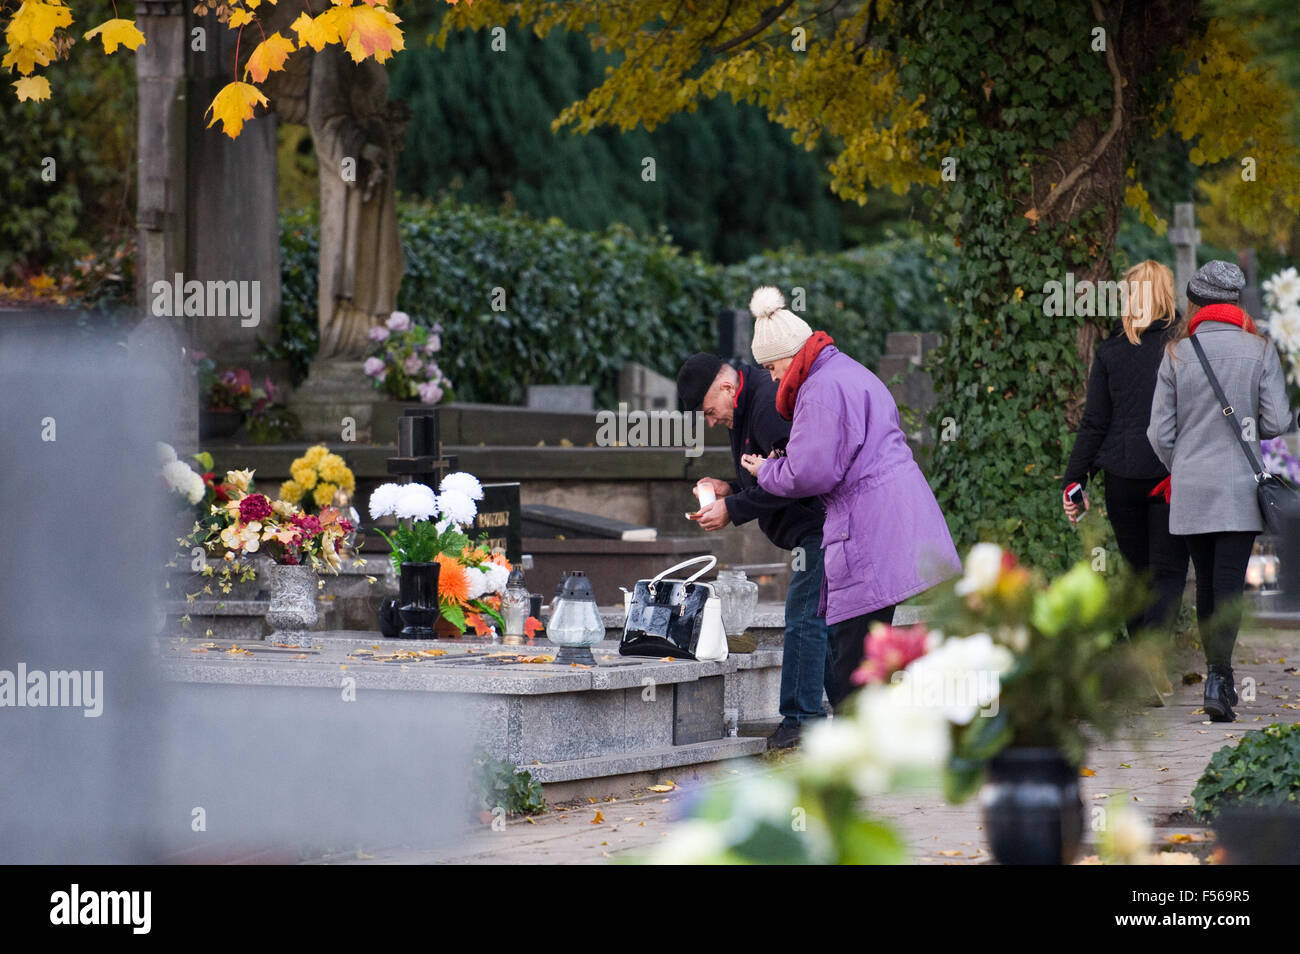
(1152, 766)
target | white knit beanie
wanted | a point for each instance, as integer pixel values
(777, 333)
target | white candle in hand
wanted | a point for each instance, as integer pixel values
(705, 493)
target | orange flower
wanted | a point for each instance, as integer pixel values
(492, 602)
(453, 583)
(500, 560)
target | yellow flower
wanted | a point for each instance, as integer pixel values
(304, 474)
(314, 455)
(324, 494)
(239, 479)
(291, 491)
(283, 508)
(332, 468)
(348, 483)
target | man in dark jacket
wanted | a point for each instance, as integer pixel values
(742, 398)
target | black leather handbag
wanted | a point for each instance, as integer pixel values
(1279, 502)
(677, 618)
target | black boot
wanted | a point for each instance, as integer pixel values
(1220, 696)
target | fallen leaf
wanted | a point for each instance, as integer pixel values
(1086, 772)
(599, 819)
(667, 787)
(949, 854)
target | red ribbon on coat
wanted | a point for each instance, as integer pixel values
(1165, 488)
(797, 373)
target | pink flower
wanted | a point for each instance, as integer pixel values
(378, 333)
(374, 367)
(413, 364)
(433, 371)
(430, 393)
(398, 321)
(889, 649)
(434, 344)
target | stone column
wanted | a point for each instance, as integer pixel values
(1184, 237)
(231, 198)
(161, 144)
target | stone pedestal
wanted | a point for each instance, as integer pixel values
(334, 392)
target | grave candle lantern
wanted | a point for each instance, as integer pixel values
(575, 624)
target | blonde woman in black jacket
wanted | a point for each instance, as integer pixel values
(1113, 438)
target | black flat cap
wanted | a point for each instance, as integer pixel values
(695, 378)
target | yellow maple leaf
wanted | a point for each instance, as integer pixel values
(239, 18)
(24, 57)
(233, 105)
(35, 88)
(312, 31)
(369, 31)
(269, 56)
(35, 23)
(115, 33)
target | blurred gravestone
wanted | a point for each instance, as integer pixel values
(1184, 237)
(560, 397)
(161, 343)
(736, 334)
(646, 390)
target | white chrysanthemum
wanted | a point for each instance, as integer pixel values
(456, 507)
(464, 483)
(197, 488)
(177, 474)
(766, 301)
(1282, 291)
(1284, 328)
(983, 566)
(883, 741)
(384, 500)
(415, 502)
(496, 578)
(166, 453)
(478, 582)
(958, 678)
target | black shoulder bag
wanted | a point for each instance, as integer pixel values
(1279, 503)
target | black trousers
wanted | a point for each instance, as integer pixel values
(1220, 560)
(1141, 524)
(848, 646)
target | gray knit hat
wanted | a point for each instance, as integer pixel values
(1216, 283)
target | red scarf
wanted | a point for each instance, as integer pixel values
(1229, 314)
(797, 373)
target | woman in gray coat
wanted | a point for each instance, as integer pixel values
(1212, 501)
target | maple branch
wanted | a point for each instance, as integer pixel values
(770, 16)
(1116, 120)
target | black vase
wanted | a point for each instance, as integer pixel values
(390, 620)
(418, 599)
(1032, 810)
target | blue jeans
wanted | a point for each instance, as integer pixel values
(805, 664)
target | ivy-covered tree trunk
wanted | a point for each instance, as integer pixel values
(1036, 108)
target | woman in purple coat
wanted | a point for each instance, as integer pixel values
(885, 538)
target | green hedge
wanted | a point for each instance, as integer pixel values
(580, 304)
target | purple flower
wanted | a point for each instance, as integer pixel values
(378, 333)
(398, 321)
(413, 364)
(437, 327)
(430, 393)
(433, 371)
(434, 344)
(374, 367)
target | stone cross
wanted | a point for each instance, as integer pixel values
(1184, 237)
(419, 448)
